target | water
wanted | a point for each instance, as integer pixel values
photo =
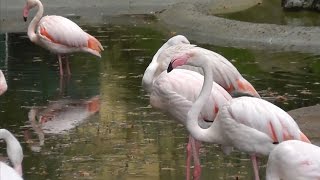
(271, 12)
(127, 139)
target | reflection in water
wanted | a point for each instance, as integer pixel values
(128, 139)
(60, 116)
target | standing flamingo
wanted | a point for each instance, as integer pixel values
(174, 94)
(59, 35)
(225, 75)
(3, 83)
(15, 154)
(249, 124)
(294, 160)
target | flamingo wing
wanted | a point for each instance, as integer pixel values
(224, 72)
(175, 92)
(266, 118)
(294, 160)
(62, 31)
(7, 172)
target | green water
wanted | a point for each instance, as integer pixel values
(271, 12)
(128, 139)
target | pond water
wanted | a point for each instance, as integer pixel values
(271, 12)
(128, 139)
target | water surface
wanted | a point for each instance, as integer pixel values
(128, 139)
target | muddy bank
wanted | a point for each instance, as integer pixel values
(197, 25)
(308, 119)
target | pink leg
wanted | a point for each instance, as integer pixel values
(189, 149)
(255, 167)
(68, 66)
(60, 65)
(195, 152)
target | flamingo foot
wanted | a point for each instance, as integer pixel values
(197, 172)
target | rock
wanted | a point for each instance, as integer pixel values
(301, 4)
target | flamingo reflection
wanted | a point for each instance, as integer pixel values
(59, 117)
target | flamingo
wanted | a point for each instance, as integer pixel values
(59, 34)
(174, 93)
(294, 160)
(224, 72)
(227, 76)
(15, 154)
(250, 124)
(3, 83)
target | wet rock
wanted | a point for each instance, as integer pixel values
(301, 4)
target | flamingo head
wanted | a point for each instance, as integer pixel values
(178, 39)
(3, 83)
(181, 59)
(29, 5)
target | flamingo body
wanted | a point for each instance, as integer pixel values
(294, 160)
(250, 124)
(224, 72)
(6, 172)
(175, 92)
(3, 83)
(62, 36)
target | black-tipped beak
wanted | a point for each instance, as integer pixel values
(25, 19)
(170, 67)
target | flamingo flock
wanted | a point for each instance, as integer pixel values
(198, 88)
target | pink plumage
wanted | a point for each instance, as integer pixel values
(59, 35)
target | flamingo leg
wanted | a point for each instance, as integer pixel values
(255, 166)
(189, 149)
(60, 65)
(68, 66)
(195, 152)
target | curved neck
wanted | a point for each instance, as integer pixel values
(33, 24)
(14, 149)
(212, 133)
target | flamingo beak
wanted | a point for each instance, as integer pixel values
(25, 13)
(170, 68)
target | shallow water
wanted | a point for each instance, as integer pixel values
(271, 12)
(127, 139)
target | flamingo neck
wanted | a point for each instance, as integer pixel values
(14, 149)
(33, 24)
(210, 134)
(151, 72)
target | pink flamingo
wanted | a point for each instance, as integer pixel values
(294, 160)
(3, 83)
(59, 35)
(15, 154)
(174, 94)
(226, 75)
(249, 124)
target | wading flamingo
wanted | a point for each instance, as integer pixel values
(15, 154)
(225, 75)
(294, 160)
(250, 124)
(3, 83)
(59, 35)
(174, 93)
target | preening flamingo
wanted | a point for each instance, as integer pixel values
(3, 83)
(15, 154)
(249, 124)
(224, 72)
(157, 65)
(59, 35)
(294, 160)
